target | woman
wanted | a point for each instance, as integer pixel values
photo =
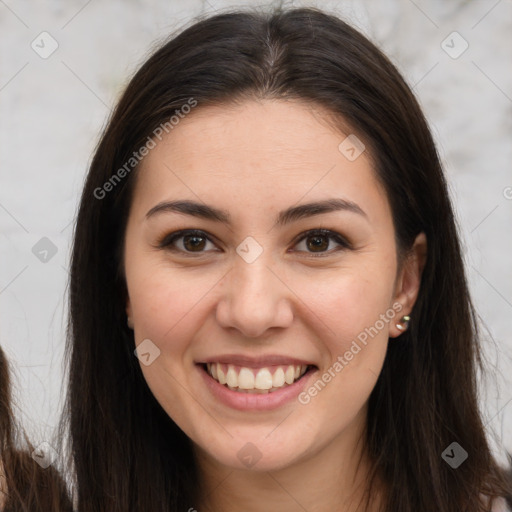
(268, 305)
(24, 484)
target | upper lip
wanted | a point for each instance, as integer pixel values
(256, 362)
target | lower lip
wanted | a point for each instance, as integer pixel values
(255, 401)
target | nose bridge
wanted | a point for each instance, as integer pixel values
(251, 265)
(253, 279)
(254, 298)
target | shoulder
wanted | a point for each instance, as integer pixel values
(500, 505)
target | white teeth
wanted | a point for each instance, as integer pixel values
(232, 377)
(289, 375)
(246, 381)
(213, 370)
(263, 379)
(221, 376)
(278, 378)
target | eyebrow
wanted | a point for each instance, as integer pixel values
(284, 217)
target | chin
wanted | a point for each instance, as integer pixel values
(259, 455)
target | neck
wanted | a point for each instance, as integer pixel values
(334, 478)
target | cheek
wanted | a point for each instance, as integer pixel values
(351, 302)
(165, 304)
(163, 299)
(354, 308)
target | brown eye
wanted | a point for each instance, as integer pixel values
(193, 242)
(188, 241)
(318, 241)
(315, 242)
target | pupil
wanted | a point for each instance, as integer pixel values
(195, 244)
(318, 244)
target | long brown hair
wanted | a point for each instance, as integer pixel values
(128, 454)
(26, 486)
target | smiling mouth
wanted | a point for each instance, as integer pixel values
(256, 380)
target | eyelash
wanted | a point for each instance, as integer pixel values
(167, 241)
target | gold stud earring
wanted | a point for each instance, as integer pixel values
(404, 323)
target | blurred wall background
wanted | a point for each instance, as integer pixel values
(62, 67)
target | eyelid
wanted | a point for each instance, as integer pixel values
(330, 234)
(167, 240)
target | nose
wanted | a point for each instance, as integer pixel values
(255, 298)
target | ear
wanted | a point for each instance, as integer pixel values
(408, 281)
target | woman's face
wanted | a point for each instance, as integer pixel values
(252, 292)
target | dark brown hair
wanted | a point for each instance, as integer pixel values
(129, 455)
(30, 488)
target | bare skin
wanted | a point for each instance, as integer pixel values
(302, 299)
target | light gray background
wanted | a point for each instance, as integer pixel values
(52, 110)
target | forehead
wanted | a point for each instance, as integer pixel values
(268, 150)
(252, 132)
